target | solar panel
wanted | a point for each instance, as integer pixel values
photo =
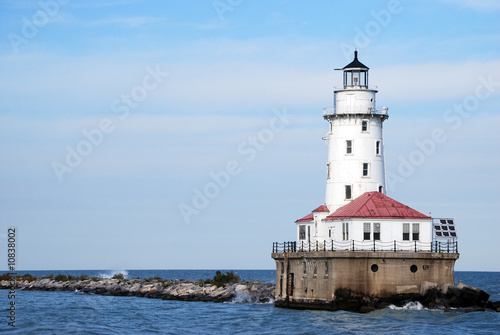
(444, 228)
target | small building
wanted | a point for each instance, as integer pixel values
(360, 240)
(373, 221)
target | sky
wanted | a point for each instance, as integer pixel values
(188, 134)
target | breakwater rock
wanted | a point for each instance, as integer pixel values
(253, 292)
(430, 295)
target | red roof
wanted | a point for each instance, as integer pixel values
(322, 208)
(375, 205)
(308, 217)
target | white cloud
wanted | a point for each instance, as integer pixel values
(229, 77)
(139, 144)
(434, 81)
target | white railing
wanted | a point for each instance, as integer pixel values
(449, 246)
(331, 111)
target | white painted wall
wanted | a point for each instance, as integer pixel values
(317, 227)
(354, 101)
(390, 230)
(318, 221)
(311, 229)
(347, 169)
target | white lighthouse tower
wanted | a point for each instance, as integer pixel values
(360, 242)
(356, 148)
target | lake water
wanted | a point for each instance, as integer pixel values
(41, 312)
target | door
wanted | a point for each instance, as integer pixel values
(350, 103)
(290, 285)
(331, 233)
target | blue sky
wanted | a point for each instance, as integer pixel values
(160, 96)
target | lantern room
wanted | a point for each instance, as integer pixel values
(355, 74)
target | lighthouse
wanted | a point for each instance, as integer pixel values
(360, 242)
(355, 138)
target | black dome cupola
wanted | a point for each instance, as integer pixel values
(355, 74)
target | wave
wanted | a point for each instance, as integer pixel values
(110, 274)
(246, 298)
(412, 305)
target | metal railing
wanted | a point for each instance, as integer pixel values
(449, 246)
(331, 111)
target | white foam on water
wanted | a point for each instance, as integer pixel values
(246, 298)
(412, 305)
(110, 274)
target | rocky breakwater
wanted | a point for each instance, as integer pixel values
(460, 296)
(203, 290)
(430, 295)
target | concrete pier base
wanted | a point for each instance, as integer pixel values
(338, 279)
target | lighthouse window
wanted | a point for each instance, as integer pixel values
(366, 231)
(348, 147)
(302, 232)
(364, 125)
(365, 169)
(328, 171)
(416, 231)
(376, 231)
(348, 194)
(406, 231)
(347, 78)
(377, 148)
(355, 78)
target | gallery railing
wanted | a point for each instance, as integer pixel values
(448, 246)
(328, 111)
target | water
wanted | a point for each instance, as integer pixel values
(75, 313)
